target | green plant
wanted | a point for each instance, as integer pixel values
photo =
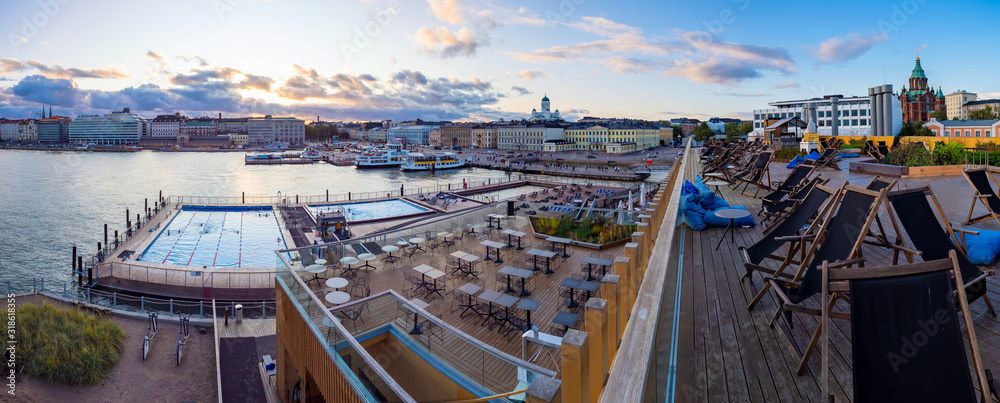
(910, 155)
(948, 153)
(788, 152)
(66, 346)
(597, 229)
(857, 143)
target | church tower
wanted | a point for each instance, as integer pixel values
(545, 103)
(918, 81)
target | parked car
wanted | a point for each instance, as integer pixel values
(591, 156)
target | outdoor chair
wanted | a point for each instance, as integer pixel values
(760, 175)
(797, 177)
(838, 239)
(912, 208)
(780, 209)
(889, 312)
(980, 181)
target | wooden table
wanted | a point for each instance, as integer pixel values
(535, 253)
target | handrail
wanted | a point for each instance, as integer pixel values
(630, 370)
(460, 334)
(367, 358)
(218, 366)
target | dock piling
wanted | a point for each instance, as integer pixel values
(244, 194)
(79, 264)
(128, 219)
(73, 261)
(328, 195)
(145, 204)
(105, 233)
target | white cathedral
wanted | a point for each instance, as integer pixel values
(545, 115)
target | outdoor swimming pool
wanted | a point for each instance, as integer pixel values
(218, 237)
(371, 210)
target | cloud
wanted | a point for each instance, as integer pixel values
(531, 74)
(44, 90)
(842, 49)
(520, 90)
(155, 55)
(9, 65)
(786, 84)
(201, 60)
(441, 42)
(919, 48)
(449, 11)
(697, 56)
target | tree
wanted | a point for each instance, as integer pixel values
(678, 131)
(986, 113)
(923, 131)
(910, 128)
(702, 132)
(940, 115)
(736, 130)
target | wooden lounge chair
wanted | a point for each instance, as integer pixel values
(906, 338)
(828, 159)
(838, 239)
(794, 179)
(980, 181)
(912, 209)
(760, 174)
(783, 232)
(779, 210)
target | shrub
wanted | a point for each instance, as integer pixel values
(788, 153)
(857, 143)
(910, 155)
(949, 153)
(67, 346)
(596, 229)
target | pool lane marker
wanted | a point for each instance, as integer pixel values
(239, 263)
(199, 240)
(178, 235)
(220, 238)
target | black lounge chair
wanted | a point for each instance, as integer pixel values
(838, 239)
(980, 181)
(828, 158)
(791, 182)
(891, 308)
(760, 174)
(877, 184)
(777, 210)
(781, 233)
(912, 208)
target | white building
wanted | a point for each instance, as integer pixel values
(545, 115)
(116, 128)
(269, 130)
(9, 129)
(377, 135)
(531, 137)
(854, 116)
(418, 134)
(955, 101)
(165, 126)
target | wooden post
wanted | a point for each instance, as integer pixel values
(641, 251)
(596, 325)
(622, 264)
(609, 290)
(243, 197)
(631, 253)
(105, 234)
(575, 366)
(73, 261)
(328, 195)
(544, 390)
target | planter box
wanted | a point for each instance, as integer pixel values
(531, 227)
(850, 150)
(905, 172)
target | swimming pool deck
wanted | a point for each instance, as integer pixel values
(727, 353)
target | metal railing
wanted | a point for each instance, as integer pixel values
(188, 276)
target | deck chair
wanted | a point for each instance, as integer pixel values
(980, 181)
(779, 210)
(838, 239)
(828, 159)
(794, 179)
(747, 169)
(760, 175)
(912, 208)
(891, 307)
(781, 233)
(880, 238)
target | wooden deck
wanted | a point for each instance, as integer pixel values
(728, 353)
(495, 374)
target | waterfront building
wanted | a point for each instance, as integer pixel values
(232, 126)
(614, 138)
(666, 134)
(920, 100)
(165, 125)
(836, 114)
(20, 130)
(484, 136)
(238, 139)
(545, 115)
(116, 128)
(964, 128)
(973, 106)
(269, 130)
(434, 137)
(377, 135)
(54, 129)
(955, 102)
(687, 125)
(412, 135)
(198, 128)
(527, 136)
(456, 134)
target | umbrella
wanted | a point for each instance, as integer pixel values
(630, 200)
(642, 194)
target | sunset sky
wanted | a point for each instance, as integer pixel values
(480, 59)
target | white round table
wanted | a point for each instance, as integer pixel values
(416, 243)
(349, 260)
(315, 270)
(389, 249)
(336, 282)
(337, 297)
(367, 257)
(321, 261)
(732, 215)
(716, 184)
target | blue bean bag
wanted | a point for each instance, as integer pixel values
(693, 212)
(813, 156)
(849, 155)
(795, 161)
(983, 249)
(715, 205)
(711, 219)
(688, 188)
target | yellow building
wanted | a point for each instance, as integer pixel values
(613, 139)
(239, 139)
(954, 102)
(484, 136)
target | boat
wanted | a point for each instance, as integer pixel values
(431, 162)
(312, 154)
(394, 156)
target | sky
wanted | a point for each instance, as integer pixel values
(478, 60)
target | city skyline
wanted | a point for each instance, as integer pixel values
(481, 60)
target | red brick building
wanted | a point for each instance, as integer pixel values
(920, 100)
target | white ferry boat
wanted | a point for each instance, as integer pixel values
(393, 157)
(431, 162)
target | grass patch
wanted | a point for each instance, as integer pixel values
(67, 346)
(597, 230)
